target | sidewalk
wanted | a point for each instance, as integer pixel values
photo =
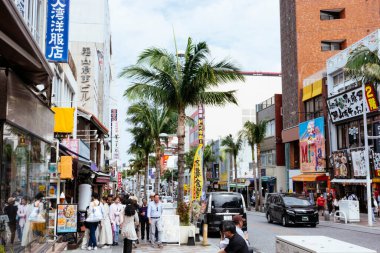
(144, 248)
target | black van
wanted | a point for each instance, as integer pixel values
(223, 206)
(291, 209)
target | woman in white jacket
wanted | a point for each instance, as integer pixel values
(105, 234)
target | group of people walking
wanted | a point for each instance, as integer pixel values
(25, 217)
(110, 217)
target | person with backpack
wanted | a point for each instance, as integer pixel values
(128, 229)
(94, 216)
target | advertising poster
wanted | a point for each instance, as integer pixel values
(376, 164)
(67, 218)
(339, 161)
(312, 145)
(358, 163)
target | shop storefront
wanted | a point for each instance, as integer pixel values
(348, 159)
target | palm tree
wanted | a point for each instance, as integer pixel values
(143, 143)
(156, 120)
(363, 65)
(137, 166)
(259, 135)
(233, 147)
(177, 83)
(248, 134)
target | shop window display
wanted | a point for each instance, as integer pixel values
(25, 165)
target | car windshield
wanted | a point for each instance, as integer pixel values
(226, 201)
(293, 201)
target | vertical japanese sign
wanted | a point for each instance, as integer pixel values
(85, 75)
(57, 30)
(200, 124)
(196, 183)
(370, 95)
(312, 145)
(115, 133)
(119, 177)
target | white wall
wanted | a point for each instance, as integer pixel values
(221, 121)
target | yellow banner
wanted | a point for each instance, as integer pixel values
(65, 167)
(196, 181)
(63, 119)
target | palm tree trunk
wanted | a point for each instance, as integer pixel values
(138, 185)
(181, 152)
(158, 166)
(259, 173)
(254, 178)
(146, 175)
(236, 178)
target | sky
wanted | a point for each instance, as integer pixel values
(246, 31)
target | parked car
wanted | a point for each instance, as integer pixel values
(222, 206)
(290, 209)
(167, 199)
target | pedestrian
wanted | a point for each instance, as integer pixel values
(375, 207)
(151, 197)
(329, 202)
(321, 204)
(21, 213)
(105, 234)
(239, 222)
(336, 203)
(137, 207)
(116, 219)
(27, 235)
(11, 211)
(236, 243)
(128, 229)
(144, 221)
(154, 215)
(94, 216)
(378, 201)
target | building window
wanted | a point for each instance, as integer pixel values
(268, 158)
(351, 135)
(332, 14)
(332, 45)
(314, 108)
(271, 129)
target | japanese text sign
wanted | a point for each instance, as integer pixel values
(57, 30)
(345, 106)
(370, 95)
(196, 180)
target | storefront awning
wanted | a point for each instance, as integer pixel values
(312, 177)
(307, 92)
(18, 49)
(90, 117)
(317, 88)
(349, 181)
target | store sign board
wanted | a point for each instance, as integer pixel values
(339, 160)
(346, 105)
(312, 145)
(57, 31)
(72, 144)
(376, 164)
(67, 218)
(370, 95)
(358, 163)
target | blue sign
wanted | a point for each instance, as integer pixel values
(57, 30)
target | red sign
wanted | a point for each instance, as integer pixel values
(119, 184)
(370, 94)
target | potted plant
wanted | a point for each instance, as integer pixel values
(183, 210)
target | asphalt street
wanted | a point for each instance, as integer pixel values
(262, 235)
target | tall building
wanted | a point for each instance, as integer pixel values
(90, 44)
(311, 32)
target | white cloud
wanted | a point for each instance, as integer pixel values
(246, 31)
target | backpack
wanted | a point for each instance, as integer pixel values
(95, 214)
